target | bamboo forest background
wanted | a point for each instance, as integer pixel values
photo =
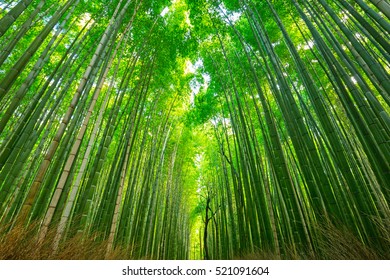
(191, 129)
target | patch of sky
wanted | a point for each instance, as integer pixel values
(196, 84)
(4, 5)
(164, 11)
(228, 16)
(307, 46)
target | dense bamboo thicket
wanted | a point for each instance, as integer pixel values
(195, 129)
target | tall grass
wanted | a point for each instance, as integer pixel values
(335, 242)
(21, 243)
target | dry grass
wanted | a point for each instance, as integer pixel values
(334, 243)
(339, 243)
(21, 243)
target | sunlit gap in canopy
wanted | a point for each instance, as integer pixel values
(197, 83)
(171, 7)
(228, 16)
(164, 11)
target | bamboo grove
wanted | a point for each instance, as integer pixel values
(196, 129)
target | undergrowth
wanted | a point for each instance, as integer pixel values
(21, 243)
(331, 243)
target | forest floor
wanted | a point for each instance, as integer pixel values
(334, 243)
